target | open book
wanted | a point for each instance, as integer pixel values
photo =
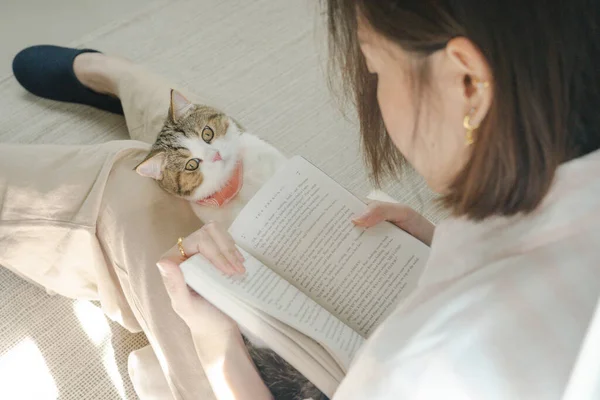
(316, 286)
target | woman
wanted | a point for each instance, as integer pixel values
(495, 104)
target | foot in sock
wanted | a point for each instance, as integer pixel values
(90, 70)
(100, 72)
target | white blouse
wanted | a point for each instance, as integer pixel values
(502, 309)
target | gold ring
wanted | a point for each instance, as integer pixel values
(180, 247)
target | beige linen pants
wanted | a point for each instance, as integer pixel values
(79, 221)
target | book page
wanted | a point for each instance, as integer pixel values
(299, 224)
(263, 289)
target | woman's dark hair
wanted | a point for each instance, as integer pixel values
(545, 61)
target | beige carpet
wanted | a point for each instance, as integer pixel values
(262, 61)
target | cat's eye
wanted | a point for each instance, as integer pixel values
(192, 164)
(208, 134)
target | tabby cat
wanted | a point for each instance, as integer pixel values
(206, 157)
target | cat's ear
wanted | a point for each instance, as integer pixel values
(179, 105)
(151, 167)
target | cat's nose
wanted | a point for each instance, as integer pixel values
(217, 157)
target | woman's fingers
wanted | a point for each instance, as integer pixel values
(202, 242)
(215, 244)
(226, 245)
(378, 211)
(402, 216)
(213, 253)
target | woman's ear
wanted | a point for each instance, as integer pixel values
(152, 165)
(476, 76)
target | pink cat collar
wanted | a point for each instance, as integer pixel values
(229, 191)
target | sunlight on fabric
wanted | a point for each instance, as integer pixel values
(25, 375)
(113, 371)
(92, 320)
(94, 323)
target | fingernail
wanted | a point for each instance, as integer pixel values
(241, 268)
(240, 256)
(234, 267)
(358, 221)
(360, 217)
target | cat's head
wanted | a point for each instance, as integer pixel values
(196, 151)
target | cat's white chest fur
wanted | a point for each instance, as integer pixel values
(260, 161)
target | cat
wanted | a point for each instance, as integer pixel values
(206, 157)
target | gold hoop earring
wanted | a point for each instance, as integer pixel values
(470, 128)
(469, 140)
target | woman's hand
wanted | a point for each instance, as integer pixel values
(217, 245)
(214, 243)
(403, 217)
(216, 337)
